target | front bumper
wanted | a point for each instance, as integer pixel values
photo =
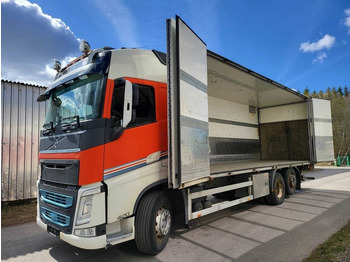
(51, 198)
(81, 242)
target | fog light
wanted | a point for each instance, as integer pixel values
(85, 208)
(86, 232)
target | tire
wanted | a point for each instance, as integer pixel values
(278, 191)
(197, 206)
(290, 179)
(153, 223)
(207, 204)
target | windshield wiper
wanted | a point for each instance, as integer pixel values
(73, 123)
(49, 129)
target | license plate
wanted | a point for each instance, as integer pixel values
(53, 231)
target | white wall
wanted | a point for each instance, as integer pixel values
(283, 113)
(235, 117)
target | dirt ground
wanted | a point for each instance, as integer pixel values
(18, 213)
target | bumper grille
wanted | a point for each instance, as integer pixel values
(55, 217)
(56, 199)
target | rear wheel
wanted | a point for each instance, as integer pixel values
(278, 192)
(290, 179)
(153, 223)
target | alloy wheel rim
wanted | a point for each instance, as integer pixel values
(163, 222)
(292, 181)
(279, 189)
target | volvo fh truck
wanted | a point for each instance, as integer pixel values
(136, 140)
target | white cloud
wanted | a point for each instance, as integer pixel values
(123, 21)
(347, 19)
(30, 40)
(320, 57)
(326, 42)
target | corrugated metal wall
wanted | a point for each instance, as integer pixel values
(22, 119)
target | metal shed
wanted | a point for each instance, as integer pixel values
(22, 118)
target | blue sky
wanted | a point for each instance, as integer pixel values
(297, 43)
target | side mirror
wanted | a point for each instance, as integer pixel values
(131, 99)
(43, 97)
(121, 82)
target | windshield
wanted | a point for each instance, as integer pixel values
(81, 98)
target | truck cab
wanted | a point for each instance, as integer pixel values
(106, 117)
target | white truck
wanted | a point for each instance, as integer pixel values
(135, 140)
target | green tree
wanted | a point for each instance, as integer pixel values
(340, 106)
(340, 91)
(314, 94)
(334, 92)
(307, 92)
(328, 93)
(321, 94)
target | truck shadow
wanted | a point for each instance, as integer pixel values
(123, 252)
(230, 234)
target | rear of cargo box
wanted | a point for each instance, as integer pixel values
(284, 133)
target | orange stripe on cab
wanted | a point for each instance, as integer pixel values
(108, 99)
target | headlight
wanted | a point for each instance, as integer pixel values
(85, 208)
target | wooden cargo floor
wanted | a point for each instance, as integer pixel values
(231, 168)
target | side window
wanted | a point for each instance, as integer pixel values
(117, 107)
(144, 112)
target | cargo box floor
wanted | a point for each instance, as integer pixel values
(232, 168)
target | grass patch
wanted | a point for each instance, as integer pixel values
(336, 248)
(18, 213)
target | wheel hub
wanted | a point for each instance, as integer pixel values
(292, 180)
(279, 189)
(163, 222)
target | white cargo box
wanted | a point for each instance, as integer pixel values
(224, 119)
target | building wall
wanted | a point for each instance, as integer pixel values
(22, 119)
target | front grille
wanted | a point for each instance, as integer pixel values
(61, 171)
(55, 217)
(56, 199)
(57, 205)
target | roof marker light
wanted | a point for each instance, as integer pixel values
(84, 47)
(56, 65)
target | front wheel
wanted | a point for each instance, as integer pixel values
(153, 223)
(278, 192)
